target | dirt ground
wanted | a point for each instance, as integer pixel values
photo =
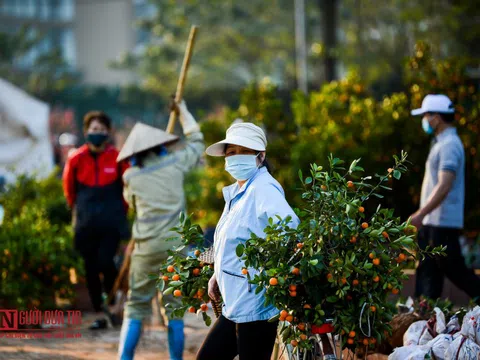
(102, 345)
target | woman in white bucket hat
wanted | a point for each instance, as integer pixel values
(243, 328)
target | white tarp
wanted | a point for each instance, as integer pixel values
(25, 146)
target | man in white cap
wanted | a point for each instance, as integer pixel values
(440, 217)
(154, 188)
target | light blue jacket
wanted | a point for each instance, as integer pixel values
(246, 210)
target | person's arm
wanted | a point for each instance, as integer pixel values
(270, 201)
(195, 146)
(127, 194)
(69, 181)
(439, 193)
(123, 166)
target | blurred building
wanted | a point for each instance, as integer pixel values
(89, 33)
(53, 19)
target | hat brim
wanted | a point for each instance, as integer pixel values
(424, 111)
(144, 137)
(416, 112)
(218, 149)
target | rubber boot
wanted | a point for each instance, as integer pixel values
(129, 337)
(176, 339)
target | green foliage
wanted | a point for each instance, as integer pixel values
(36, 249)
(344, 118)
(238, 42)
(187, 274)
(342, 261)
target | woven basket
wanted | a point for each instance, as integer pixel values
(208, 258)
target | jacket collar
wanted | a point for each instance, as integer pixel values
(232, 191)
(85, 149)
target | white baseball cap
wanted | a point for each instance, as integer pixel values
(243, 134)
(435, 104)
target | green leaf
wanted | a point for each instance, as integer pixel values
(397, 174)
(308, 180)
(180, 248)
(271, 272)
(313, 262)
(176, 283)
(168, 291)
(161, 285)
(349, 209)
(240, 250)
(286, 334)
(352, 166)
(274, 318)
(367, 266)
(332, 299)
(207, 319)
(152, 276)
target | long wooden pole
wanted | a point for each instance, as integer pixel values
(183, 77)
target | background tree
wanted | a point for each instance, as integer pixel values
(238, 43)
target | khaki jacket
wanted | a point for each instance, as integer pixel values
(156, 192)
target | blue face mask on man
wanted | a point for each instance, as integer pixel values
(429, 130)
(241, 167)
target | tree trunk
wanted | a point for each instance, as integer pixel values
(330, 9)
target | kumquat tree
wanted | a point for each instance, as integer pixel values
(341, 262)
(185, 275)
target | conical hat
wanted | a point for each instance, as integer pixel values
(144, 137)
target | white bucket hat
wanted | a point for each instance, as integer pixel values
(435, 104)
(244, 134)
(144, 137)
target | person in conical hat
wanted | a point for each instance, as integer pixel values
(153, 186)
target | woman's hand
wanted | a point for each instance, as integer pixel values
(213, 289)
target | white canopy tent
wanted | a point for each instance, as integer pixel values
(25, 146)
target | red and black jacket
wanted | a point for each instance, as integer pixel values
(92, 183)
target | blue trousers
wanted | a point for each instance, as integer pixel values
(130, 336)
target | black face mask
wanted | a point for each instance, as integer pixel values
(96, 139)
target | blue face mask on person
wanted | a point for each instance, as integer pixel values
(241, 167)
(427, 127)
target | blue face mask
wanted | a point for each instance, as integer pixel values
(426, 126)
(241, 167)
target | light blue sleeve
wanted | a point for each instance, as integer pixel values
(270, 201)
(451, 157)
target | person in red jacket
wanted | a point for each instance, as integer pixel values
(92, 183)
